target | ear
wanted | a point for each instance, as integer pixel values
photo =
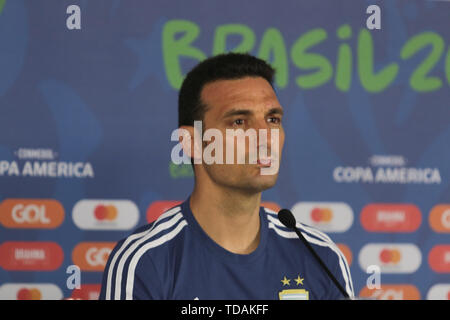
(191, 142)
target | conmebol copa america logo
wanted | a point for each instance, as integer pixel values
(99, 214)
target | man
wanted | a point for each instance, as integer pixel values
(220, 243)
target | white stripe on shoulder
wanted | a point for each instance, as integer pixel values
(314, 231)
(317, 234)
(160, 227)
(321, 235)
(140, 253)
(342, 263)
(131, 238)
(270, 211)
(284, 234)
(272, 216)
(331, 245)
(278, 223)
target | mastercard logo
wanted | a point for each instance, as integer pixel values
(391, 257)
(92, 256)
(29, 294)
(30, 291)
(392, 292)
(325, 216)
(31, 213)
(439, 218)
(321, 215)
(30, 256)
(105, 214)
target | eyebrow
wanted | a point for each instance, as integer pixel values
(276, 110)
(246, 112)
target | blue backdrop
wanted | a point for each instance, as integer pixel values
(88, 101)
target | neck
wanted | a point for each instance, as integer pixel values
(229, 217)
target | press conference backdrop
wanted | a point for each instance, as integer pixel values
(88, 102)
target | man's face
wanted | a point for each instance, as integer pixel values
(247, 103)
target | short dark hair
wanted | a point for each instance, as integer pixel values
(227, 66)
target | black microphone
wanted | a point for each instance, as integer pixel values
(287, 218)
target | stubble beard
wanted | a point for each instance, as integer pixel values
(247, 179)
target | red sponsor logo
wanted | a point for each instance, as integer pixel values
(158, 207)
(392, 292)
(31, 256)
(87, 292)
(439, 258)
(391, 217)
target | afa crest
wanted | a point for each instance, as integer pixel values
(293, 294)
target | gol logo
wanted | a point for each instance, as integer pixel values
(392, 292)
(439, 258)
(92, 256)
(157, 208)
(87, 292)
(31, 213)
(439, 218)
(29, 294)
(31, 256)
(321, 215)
(391, 217)
(105, 213)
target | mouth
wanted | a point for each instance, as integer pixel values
(264, 162)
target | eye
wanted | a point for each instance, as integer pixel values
(275, 120)
(238, 122)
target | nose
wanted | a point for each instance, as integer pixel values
(263, 132)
